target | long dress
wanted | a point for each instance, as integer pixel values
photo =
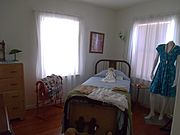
(165, 74)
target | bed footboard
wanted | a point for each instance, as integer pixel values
(106, 115)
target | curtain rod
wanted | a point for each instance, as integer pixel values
(55, 12)
(158, 15)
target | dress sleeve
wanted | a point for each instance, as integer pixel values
(159, 48)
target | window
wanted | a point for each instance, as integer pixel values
(58, 45)
(146, 35)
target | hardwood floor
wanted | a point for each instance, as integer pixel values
(32, 125)
(140, 127)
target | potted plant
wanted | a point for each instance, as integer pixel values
(15, 51)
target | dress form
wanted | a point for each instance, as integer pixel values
(168, 48)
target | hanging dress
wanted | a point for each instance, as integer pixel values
(165, 74)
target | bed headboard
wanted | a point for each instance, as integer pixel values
(122, 65)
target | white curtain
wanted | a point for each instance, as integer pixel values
(177, 30)
(59, 45)
(57, 52)
(146, 34)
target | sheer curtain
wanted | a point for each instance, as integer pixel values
(146, 34)
(177, 30)
(58, 45)
(58, 50)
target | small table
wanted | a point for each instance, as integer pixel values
(139, 86)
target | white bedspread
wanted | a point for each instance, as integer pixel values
(109, 96)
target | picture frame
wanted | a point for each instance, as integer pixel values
(2, 50)
(96, 42)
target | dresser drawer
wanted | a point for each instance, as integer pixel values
(11, 70)
(13, 97)
(11, 84)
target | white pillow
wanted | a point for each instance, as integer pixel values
(120, 75)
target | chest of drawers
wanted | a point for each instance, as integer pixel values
(12, 89)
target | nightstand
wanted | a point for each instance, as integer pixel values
(138, 87)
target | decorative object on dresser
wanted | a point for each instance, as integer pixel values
(2, 50)
(15, 51)
(12, 88)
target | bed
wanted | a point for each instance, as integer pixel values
(101, 115)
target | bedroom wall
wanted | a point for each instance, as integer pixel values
(126, 17)
(17, 28)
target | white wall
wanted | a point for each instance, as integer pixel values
(126, 17)
(17, 28)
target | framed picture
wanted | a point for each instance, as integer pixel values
(2, 51)
(96, 42)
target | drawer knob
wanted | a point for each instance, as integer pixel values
(15, 96)
(13, 84)
(13, 71)
(15, 108)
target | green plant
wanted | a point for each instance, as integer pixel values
(15, 51)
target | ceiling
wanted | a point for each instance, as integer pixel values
(113, 4)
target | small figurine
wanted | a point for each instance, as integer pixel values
(110, 76)
(71, 131)
(80, 124)
(92, 126)
(109, 133)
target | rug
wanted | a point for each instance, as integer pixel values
(155, 121)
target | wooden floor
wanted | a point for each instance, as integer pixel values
(140, 127)
(33, 125)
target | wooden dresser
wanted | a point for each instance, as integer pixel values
(12, 89)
